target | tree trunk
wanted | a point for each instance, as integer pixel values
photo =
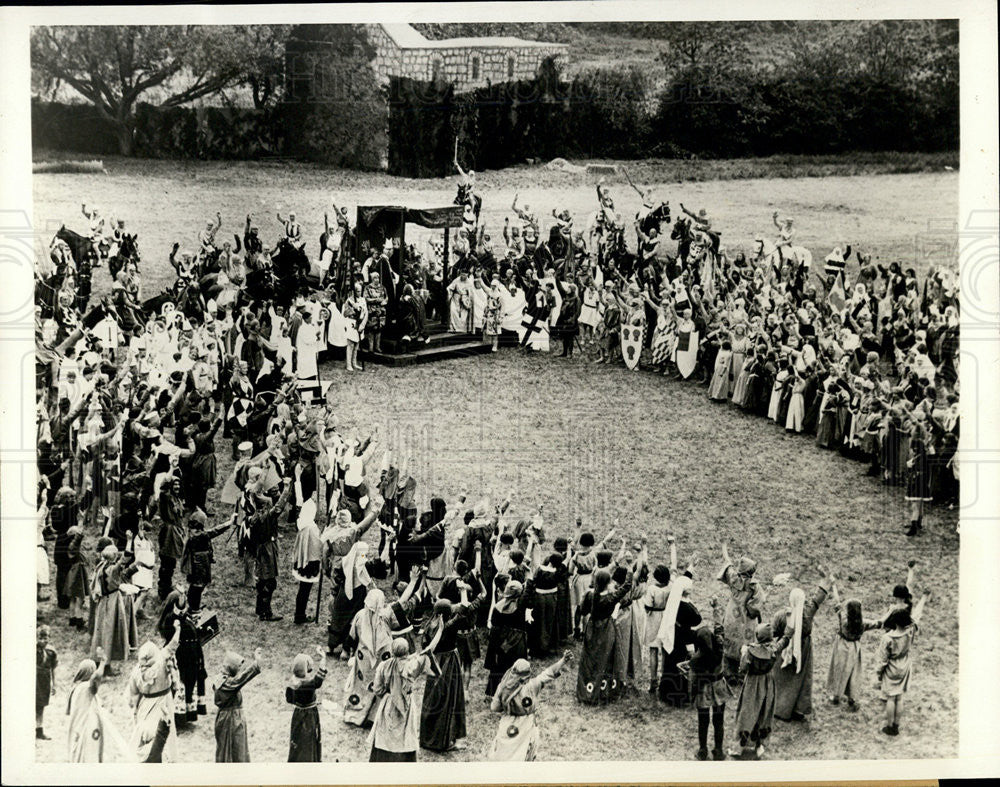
(125, 131)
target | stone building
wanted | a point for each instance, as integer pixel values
(466, 63)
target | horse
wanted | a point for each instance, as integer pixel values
(290, 266)
(683, 232)
(610, 237)
(80, 246)
(769, 254)
(655, 219)
(128, 251)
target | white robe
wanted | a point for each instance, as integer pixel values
(307, 344)
(336, 329)
(513, 305)
(459, 305)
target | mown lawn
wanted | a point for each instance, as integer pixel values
(601, 443)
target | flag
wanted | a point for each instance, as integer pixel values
(836, 298)
(708, 277)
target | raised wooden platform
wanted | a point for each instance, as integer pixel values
(439, 346)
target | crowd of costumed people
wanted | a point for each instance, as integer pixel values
(136, 395)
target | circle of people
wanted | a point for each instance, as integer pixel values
(132, 395)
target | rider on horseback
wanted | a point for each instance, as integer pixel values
(185, 266)
(96, 232)
(206, 238)
(703, 223)
(785, 233)
(293, 231)
(251, 240)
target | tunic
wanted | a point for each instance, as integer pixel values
(654, 601)
(45, 666)
(517, 731)
(395, 732)
(588, 312)
(230, 727)
(742, 613)
(755, 709)
(708, 685)
(845, 659)
(894, 661)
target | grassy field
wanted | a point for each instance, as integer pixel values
(595, 442)
(897, 206)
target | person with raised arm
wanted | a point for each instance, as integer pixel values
(894, 666)
(442, 716)
(654, 602)
(89, 724)
(395, 733)
(708, 683)
(152, 686)
(755, 708)
(744, 610)
(516, 700)
(596, 682)
(293, 230)
(302, 692)
(370, 639)
(793, 675)
(582, 563)
(230, 725)
(844, 677)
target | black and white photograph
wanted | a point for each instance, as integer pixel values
(477, 384)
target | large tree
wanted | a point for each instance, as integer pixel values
(114, 66)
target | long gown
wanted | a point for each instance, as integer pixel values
(543, 630)
(305, 743)
(629, 636)
(152, 690)
(460, 306)
(371, 633)
(793, 686)
(442, 716)
(507, 642)
(674, 687)
(395, 733)
(86, 722)
(720, 386)
(845, 676)
(741, 390)
(755, 708)
(517, 735)
(598, 682)
(230, 726)
(114, 621)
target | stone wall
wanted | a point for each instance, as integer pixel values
(467, 67)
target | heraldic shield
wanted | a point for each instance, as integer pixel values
(686, 355)
(631, 344)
